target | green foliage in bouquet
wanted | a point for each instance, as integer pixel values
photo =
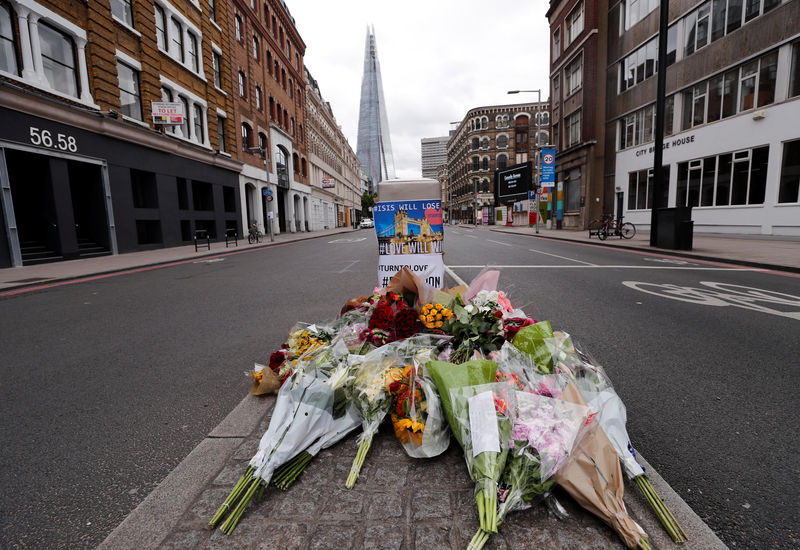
(447, 376)
(538, 342)
(473, 328)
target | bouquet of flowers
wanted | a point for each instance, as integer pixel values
(484, 417)
(302, 414)
(596, 388)
(416, 413)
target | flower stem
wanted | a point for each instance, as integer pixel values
(358, 462)
(230, 524)
(234, 494)
(481, 510)
(478, 540)
(662, 512)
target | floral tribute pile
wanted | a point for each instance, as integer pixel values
(529, 407)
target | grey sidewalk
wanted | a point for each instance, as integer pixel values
(398, 503)
(767, 252)
(43, 274)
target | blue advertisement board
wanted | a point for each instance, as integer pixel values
(548, 167)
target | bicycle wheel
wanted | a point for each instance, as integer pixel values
(628, 230)
(594, 227)
(250, 238)
(602, 234)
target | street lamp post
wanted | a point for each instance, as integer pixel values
(538, 152)
(475, 206)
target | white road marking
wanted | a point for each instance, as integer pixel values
(211, 261)
(593, 266)
(347, 268)
(452, 273)
(561, 257)
(337, 241)
(498, 242)
(724, 294)
(471, 236)
(669, 261)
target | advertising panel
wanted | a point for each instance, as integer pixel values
(513, 183)
(167, 113)
(328, 183)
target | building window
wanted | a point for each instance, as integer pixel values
(185, 124)
(485, 163)
(556, 43)
(198, 134)
(237, 23)
(573, 123)
(502, 161)
(789, 190)
(262, 141)
(161, 28)
(521, 133)
(247, 136)
(634, 11)
(575, 23)
(794, 75)
(176, 32)
(638, 65)
(476, 143)
(502, 141)
(556, 90)
(194, 58)
(259, 99)
(216, 60)
(485, 123)
(129, 94)
(485, 143)
(733, 179)
(221, 132)
(242, 84)
(8, 45)
(212, 10)
(122, 10)
(255, 47)
(58, 58)
(572, 191)
(475, 164)
(696, 28)
(640, 189)
(556, 136)
(739, 89)
(572, 75)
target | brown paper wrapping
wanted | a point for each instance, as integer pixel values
(593, 477)
(270, 383)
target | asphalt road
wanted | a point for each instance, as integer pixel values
(107, 385)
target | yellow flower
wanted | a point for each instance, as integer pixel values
(438, 316)
(438, 324)
(439, 307)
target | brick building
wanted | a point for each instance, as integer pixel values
(487, 139)
(577, 57)
(268, 88)
(85, 170)
(336, 185)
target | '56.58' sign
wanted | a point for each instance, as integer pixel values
(59, 141)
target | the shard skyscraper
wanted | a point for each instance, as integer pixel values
(374, 145)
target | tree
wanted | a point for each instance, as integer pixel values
(368, 200)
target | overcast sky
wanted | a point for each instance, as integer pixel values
(438, 58)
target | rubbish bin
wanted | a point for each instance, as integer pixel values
(675, 228)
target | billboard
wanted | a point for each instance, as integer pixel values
(512, 184)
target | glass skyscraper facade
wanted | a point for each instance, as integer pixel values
(374, 144)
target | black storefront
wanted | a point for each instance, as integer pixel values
(76, 193)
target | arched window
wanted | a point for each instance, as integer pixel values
(269, 62)
(502, 162)
(475, 164)
(259, 99)
(545, 118)
(262, 141)
(247, 135)
(238, 27)
(502, 141)
(485, 123)
(291, 125)
(485, 163)
(255, 47)
(476, 143)
(303, 167)
(277, 70)
(485, 186)
(283, 78)
(296, 163)
(543, 138)
(285, 118)
(280, 115)
(272, 108)
(485, 143)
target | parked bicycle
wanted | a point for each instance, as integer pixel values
(255, 234)
(615, 228)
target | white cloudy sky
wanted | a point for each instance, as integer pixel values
(439, 58)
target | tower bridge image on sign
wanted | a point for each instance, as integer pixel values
(409, 236)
